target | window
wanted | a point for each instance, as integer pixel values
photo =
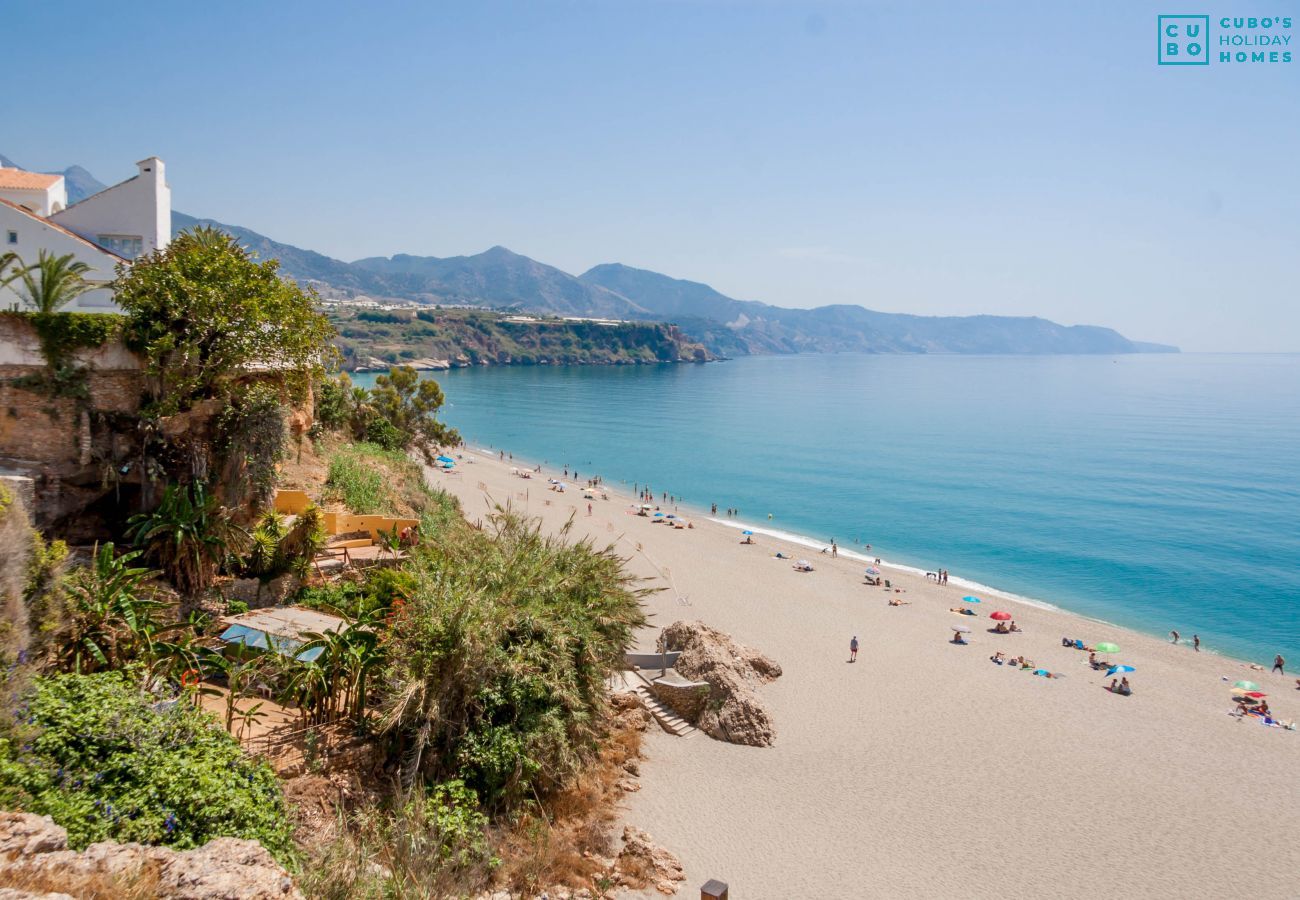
(126, 245)
(13, 237)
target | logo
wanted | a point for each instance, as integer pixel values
(1184, 40)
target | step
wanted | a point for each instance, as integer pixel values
(668, 720)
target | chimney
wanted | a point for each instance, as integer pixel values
(153, 173)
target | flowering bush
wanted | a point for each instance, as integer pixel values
(107, 761)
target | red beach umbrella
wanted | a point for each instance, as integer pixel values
(1256, 695)
(1000, 616)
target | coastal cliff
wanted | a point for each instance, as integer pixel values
(452, 338)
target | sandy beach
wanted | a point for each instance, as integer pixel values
(923, 769)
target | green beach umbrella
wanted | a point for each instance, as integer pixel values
(1107, 647)
(1247, 685)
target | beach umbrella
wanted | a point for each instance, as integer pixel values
(1119, 670)
(1107, 647)
(659, 515)
(446, 459)
(1256, 695)
(872, 570)
(747, 532)
(1000, 616)
(971, 599)
(961, 629)
(1246, 685)
(671, 516)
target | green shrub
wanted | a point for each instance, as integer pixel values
(107, 764)
(334, 402)
(433, 845)
(358, 484)
(497, 661)
(251, 434)
(383, 433)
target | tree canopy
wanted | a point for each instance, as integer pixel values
(205, 313)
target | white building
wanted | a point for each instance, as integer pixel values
(114, 226)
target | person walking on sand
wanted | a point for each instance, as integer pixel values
(588, 509)
(1196, 643)
(1279, 664)
(1174, 636)
(853, 649)
(835, 551)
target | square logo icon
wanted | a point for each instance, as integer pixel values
(1183, 40)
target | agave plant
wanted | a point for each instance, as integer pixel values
(264, 557)
(189, 536)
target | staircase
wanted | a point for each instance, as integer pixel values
(668, 720)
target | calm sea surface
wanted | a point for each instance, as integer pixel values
(1156, 492)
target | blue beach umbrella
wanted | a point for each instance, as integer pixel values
(1119, 670)
(747, 532)
(446, 459)
(971, 599)
(659, 515)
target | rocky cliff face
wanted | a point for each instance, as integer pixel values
(35, 861)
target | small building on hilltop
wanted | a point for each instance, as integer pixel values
(129, 219)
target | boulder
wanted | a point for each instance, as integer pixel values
(643, 863)
(734, 712)
(33, 850)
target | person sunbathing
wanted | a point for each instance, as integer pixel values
(1124, 688)
(961, 610)
(780, 555)
(1014, 626)
(898, 601)
(803, 568)
(998, 658)
(748, 540)
(958, 638)
(1002, 628)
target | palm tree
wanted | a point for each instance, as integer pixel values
(7, 260)
(61, 280)
(190, 535)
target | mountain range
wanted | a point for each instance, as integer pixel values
(501, 279)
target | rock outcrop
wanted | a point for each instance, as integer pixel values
(34, 856)
(734, 712)
(643, 863)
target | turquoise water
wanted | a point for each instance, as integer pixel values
(1155, 492)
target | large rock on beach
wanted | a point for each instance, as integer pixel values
(734, 712)
(34, 851)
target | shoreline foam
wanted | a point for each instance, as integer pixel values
(810, 543)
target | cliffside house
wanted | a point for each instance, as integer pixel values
(116, 225)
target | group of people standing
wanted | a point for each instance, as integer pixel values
(939, 577)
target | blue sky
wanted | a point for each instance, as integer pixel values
(926, 157)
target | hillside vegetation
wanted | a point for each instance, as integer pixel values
(472, 337)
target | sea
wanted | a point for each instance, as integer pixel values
(1156, 492)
